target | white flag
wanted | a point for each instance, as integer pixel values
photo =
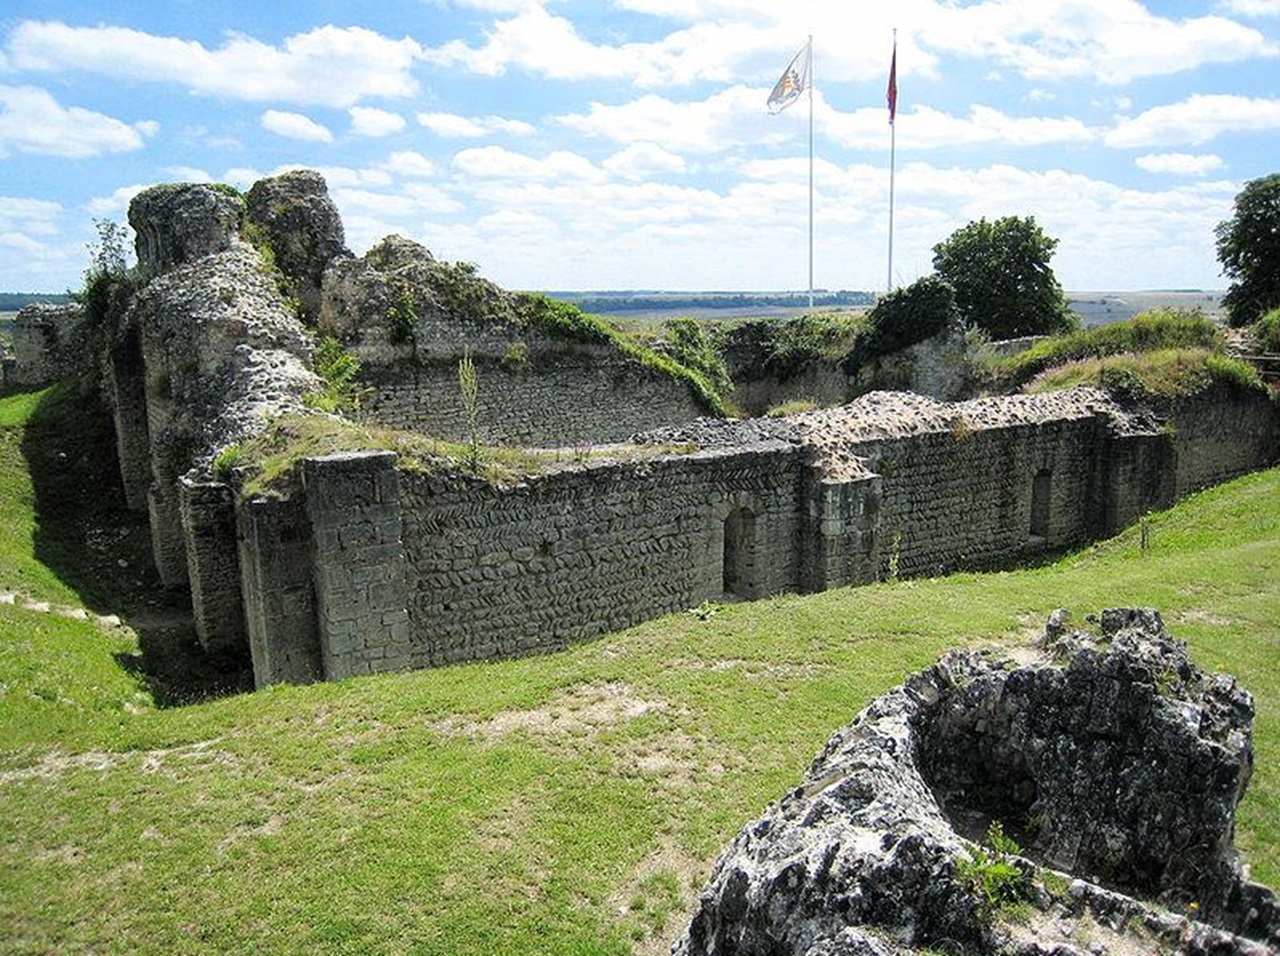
(793, 82)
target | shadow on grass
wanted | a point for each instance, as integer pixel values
(87, 536)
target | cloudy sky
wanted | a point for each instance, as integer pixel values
(625, 143)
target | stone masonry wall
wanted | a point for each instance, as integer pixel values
(567, 398)
(494, 572)
(964, 498)
(358, 563)
(49, 343)
(1222, 433)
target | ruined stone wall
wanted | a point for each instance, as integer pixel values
(963, 498)
(1221, 433)
(494, 572)
(49, 343)
(560, 399)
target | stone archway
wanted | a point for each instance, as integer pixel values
(1041, 488)
(739, 559)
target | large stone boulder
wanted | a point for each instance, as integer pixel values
(1113, 757)
(183, 222)
(303, 228)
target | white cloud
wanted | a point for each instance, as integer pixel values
(1179, 164)
(36, 216)
(187, 174)
(498, 163)
(1195, 120)
(926, 128)
(1254, 8)
(367, 121)
(295, 126)
(333, 66)
(539, 42)
(1112, 41)
(116, 203)
(32, 121)
(452, 126)
(410, 164)
(641, 160)
(724, 120)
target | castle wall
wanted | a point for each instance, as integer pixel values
(375, 568)
(559, 399)
(1222, 433)
(49, 343)
(209, 530)
(496, 572)
(964, 498)
(274, 543)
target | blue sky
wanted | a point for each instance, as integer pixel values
(626, 144)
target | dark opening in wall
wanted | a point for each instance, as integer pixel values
(739, 553)
(1040, 488)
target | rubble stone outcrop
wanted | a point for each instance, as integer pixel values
(304, 230)
(183, 222)
(1118, 760)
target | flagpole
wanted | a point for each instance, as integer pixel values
(810, 170)
(893, 154)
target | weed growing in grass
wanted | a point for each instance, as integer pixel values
(226, 461)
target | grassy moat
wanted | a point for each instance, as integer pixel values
(565, 804)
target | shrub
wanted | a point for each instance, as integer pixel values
(903, 318)
(1266, 333)
(109, 283)
(338, 370)
(783, 348)
(691, 346)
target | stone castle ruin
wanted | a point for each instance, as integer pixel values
(367, 562)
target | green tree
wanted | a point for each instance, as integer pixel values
(1002, 280)
(1249, 250)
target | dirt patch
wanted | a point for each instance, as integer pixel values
(656, 896)
(581, 711)
(761, 670)
(173, 761)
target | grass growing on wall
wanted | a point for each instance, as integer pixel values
(1157, 330)
(564, 804)
(1168, 373)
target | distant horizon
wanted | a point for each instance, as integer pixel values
(603, 293)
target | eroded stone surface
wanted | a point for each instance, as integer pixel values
(1120, 748)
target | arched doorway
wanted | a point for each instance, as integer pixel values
(1041, 485)
(740, 553)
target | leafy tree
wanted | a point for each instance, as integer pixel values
(1249, 250)
(1002, 279)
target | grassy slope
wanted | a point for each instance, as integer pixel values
(560, 804)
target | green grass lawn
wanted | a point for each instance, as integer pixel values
(567, 804)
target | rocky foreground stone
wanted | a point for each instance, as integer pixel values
(1112, 758)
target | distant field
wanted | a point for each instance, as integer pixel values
(1093, 307)
(1101, 308)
